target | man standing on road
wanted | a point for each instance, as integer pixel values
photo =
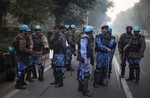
(23, 51)
(39, 42)
(85, 52)
(71, 48)
(103, 51)
(58, 60)
(112, 47)
(123, 41)
(136, 48)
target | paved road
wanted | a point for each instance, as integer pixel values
(117, 88)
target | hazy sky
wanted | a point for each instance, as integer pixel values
(120, 5)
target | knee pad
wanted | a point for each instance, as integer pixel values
(86, 75)
(96, 72)
(131, 66)
(42, 67)
(137, 66)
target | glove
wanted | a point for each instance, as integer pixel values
(46, 50)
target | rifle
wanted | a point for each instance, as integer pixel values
(128, 45)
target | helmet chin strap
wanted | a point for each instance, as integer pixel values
(128, 32)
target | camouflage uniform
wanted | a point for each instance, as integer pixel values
(22, 54)
(40, 42)
(103, 43)
(123, 41)
(136, 52)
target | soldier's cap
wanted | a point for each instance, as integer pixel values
(61, 27)
(104, 26)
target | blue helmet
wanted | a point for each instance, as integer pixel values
(109, 30)
(88, 29)
(37, 27)
(23, 27)
(129, 27)
(10, 50)
(73, 26)
(84, 27)
(67, 26)
(29, 30)
(137, 29)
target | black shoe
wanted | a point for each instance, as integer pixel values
(136, 82)
(53, 83)
(122, 76)
(30, 80)
(95, 85)
(23, 84)
(130, 79)
(102, 84)
(34, 77)
(59, 85)
(19, 87)
(71, 69)
(87, 94)
(40, 79)
(80, 89)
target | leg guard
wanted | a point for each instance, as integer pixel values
(60, 78)
(41, 73)
(102, 76)
(85, 81)
(131, 73)
(96, 78)
(19, 84)
(23, 78)
(80, 86)
(28, 77)
(123, 70)
(85, 85)
(34, 72)
(137, 72)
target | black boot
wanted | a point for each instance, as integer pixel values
(137, 72)
(55, 78)
(60, 79)
(80, 86)
(122, 71)
(41, 73)
(131, 73)
(22, 79)
(28, 77)
(34, 72)
(102, 76)
(96, 78)
(85, 88)
(19, 85)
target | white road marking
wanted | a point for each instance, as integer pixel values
(145, 74)
(9, 95)
(123, 81)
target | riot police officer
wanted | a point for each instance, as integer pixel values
(136, 49)
(23, 51)
(113, 48)
(71, 48)
(58, 60)
(39, 42)
(103, 51)
(85, 51)
(123, 41)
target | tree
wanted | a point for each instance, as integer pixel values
(3, 9)
(31, 10)
(64, 7)
(98, 16)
